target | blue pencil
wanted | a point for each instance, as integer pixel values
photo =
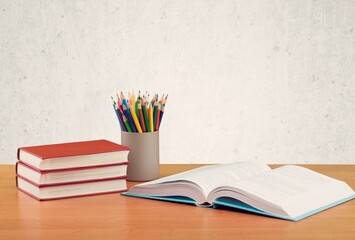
(129, 118)
(161, 115)
(124, 101)
(119, 119)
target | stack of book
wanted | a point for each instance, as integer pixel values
(72, 169)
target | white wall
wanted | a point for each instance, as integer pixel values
(266, 80)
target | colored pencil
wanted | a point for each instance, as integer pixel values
(146, 101)
(124, 101)
(155, 111)
(145, 117)
(161, 115)
(119, 118)
(161, 100)
(119, 102)
(129, 118)
(136, 105)
(141, 117)
(135, 119)
(158, 118)
(151, 119)
(118, 115)
(126, 123)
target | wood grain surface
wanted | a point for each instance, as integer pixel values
(113, 216)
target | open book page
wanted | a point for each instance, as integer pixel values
(294, 189)
(209, 177)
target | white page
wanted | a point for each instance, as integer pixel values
(210, 177)
(298, 190)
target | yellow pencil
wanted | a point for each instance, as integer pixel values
(135, 119)
(133, 98)
(151, 119)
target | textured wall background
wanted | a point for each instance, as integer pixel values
(267, 80)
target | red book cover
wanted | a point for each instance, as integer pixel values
(73, 149)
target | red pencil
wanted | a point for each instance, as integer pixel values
(141, 118)
(158, 118)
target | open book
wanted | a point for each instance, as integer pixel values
(288, 192)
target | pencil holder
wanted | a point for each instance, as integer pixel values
(144, 155)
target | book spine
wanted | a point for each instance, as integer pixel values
(16, 169)
(18, 154)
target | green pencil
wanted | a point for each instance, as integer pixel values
(145, 117)
(126, 124)
(136, 104)
(155, 112)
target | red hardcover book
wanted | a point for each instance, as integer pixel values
(70, 190)
(73, 175)
(73, 155)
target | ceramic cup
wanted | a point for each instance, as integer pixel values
(144, 155)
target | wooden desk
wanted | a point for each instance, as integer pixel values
(116, 217)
